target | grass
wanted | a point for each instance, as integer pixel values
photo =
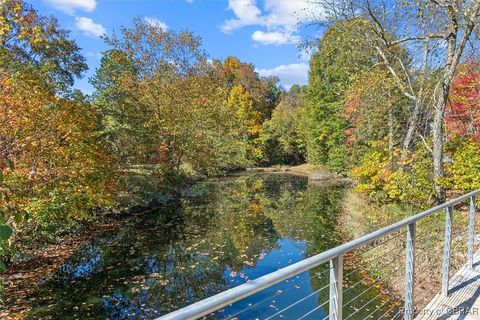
(385, 260)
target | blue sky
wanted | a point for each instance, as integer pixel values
(263, 32)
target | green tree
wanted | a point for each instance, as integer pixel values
(163, 103)
(263, 91)
(281, 136)
(436, 35)
(247, 122)
(332, 70)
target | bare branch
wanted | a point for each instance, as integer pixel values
(418, 38)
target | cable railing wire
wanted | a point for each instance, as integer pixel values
(366, 304)
(365, 268)
(378, 308)
(279, 294)
(417, 250)
(378, 295)
(358, 282)
(313, 310)
(297, 302)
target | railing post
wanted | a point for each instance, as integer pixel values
(471, 232)
(446, 250)
(409, 272)
(336, 288)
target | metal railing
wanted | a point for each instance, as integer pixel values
(335, 258)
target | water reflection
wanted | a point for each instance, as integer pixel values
(222, 233)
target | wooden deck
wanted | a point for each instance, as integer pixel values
(463, 301)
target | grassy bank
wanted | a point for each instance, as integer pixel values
(385, 259)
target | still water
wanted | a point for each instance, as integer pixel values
(220, 234)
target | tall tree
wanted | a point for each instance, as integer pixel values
(462, 116)
(281, 135)
(28, 39)
(332, 70)
(435, 33)
(163, 102)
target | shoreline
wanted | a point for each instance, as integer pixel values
(43, 257)
(316, 174)
(23, 277)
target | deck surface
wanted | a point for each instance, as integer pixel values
(463, 301)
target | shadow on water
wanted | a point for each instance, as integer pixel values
(220, 234)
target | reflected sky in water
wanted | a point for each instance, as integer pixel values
(220, 234)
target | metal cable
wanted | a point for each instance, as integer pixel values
(363, 267)
(388, 300)
(383, 242)
(313, 310)
(392, 284)
(396, 315)
(278, 294)
(358, 282)
(383, 315)
(427, 293)
(366, 304)
(327, 317)
(297, 302)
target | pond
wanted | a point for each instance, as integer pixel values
(220, 234)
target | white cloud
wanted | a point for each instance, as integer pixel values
(246, 12)
(289, 74)
(189, 1)
(281, 18)
(70, 6)
(288, 13)
(89, 27)
(156, 23)
(275, 37)
(91, 54)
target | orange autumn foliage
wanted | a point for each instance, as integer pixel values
(51, 164)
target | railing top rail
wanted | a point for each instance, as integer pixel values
(222, 299)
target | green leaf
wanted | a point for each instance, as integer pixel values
(2, 266)
(5, 232)
(18, 216)
(11, 164)
(1, 176)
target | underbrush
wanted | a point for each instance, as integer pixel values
(384, 259)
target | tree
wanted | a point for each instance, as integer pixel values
(247, 121)
(162, 102)
(332, 70)
(263, 91)
(462, 116)
(281, 136)
(52, 167)
(29, 40)
(122, 121)
(439, 29)
(375, 110)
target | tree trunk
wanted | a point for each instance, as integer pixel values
(437, 129)
(437, 133)
(390, 131)
(454, 52)
(412, 126)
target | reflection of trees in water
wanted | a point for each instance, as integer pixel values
(184, 252)
(240, 217)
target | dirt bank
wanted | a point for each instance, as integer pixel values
(43, 257)
(314, 173)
